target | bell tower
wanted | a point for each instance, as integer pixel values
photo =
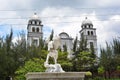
(34, 30)
(89, 33)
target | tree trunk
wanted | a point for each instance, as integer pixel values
(109, 74)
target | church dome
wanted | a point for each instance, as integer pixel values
(86, 23)
(63, 35)
(34, 20)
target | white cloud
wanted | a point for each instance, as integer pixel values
(115, 17)
(101, 3)
(108, 30)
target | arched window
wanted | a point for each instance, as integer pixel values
(37, 22)
(33, 29)
(35, 42)
(37, 29)
(91, 32)
(89, 26)
(82, 26)
(91, 44)
(88, 32)
(33, 22)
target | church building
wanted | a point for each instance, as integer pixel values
(66, 40)
(35, 33)
(89, 33)
(34, 30)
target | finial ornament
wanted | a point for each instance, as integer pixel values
(35, 13)
(85, 17)
(35, 16)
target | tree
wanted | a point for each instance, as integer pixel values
(84, 58)
(83, 61)
(14, 55)
(65, 48)
(116, 46)
(6, 61)
(107, 60)
(20, 49)
(101, 70)
(116, 51)
(64, 61)
(83, 44)
(33, 65)
(75, 44)
(41, 44)
(51, 35)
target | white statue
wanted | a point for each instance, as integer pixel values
(52, 48)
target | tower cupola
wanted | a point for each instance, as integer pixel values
(34, 20)
(87, 23)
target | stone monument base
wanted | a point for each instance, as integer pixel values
(55, 76)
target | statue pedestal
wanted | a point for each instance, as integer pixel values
(55, 76)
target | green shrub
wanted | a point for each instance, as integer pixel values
(101, 70)
(88, 73)
(33, 65)
(118, 68)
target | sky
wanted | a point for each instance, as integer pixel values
(62, 15)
